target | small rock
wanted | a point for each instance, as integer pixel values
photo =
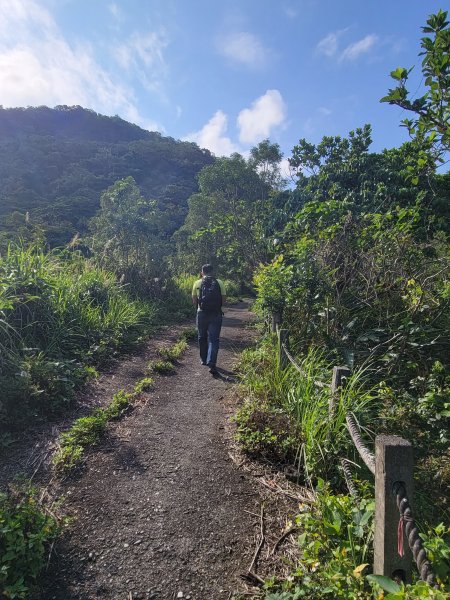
(180, 595)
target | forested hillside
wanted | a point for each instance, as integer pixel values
(55, 163)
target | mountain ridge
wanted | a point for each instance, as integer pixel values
(56, 162)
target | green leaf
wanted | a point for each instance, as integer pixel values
(384, 582)
(399, 73)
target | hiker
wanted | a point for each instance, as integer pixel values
(208, 296)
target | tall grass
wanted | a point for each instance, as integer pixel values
(58, 314)
(325, 438)
(318, 441)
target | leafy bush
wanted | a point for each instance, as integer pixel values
(266, 432)
(143, 385)
(335, 547)
(335, 553)
(25, 530)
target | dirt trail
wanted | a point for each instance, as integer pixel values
(160, 509)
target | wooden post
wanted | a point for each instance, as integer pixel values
(393, 462)
(276, 321)
(282, 335)
(339, 380)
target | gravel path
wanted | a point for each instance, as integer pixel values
(161, 511)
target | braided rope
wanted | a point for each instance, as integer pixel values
(348, 478)
(412, 535)
(364, 452)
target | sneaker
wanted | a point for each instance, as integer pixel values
(203, 363)
(213, 369)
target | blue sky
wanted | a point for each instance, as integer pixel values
(224, 74)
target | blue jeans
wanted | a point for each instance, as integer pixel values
(209, 326)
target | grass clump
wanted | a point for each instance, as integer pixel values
(287, 415)
(143, 385)
(163, 367)
(173, 353)
(87, 431)
(26, 530)
(189, 334)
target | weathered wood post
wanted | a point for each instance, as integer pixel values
(393, 462)
(283, 335)
(339, 380)
(276, 321)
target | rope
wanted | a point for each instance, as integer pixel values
(300, 370)
(348, 478)
(407, 524)
(364, 452)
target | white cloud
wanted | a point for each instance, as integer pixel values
(38, 66)
(257, 122)
(115, 11)
(244, 48)
(291, 12)
(286, 170)
(330, 46)
(353, 51)
(143, 57)
(324, 111)
(213, 136)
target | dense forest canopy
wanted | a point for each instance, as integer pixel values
(55, 163)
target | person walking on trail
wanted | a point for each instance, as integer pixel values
(208, 296)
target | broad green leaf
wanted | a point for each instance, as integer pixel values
(384, 582)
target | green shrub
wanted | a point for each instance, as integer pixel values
(266, 432)
(189, 334)
(25, 530)
(335, 547)
(163, 367)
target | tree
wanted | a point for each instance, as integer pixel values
(225, 220)
(126, 234)
(430, 126)
(363, 259)
(265, 158)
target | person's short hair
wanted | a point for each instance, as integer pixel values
(207, 269)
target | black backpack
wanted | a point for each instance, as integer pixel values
(210, 296)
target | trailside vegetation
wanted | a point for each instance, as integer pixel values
(27, 527)
(359, 276)
(60, 318)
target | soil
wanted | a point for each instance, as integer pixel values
(160, 509)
